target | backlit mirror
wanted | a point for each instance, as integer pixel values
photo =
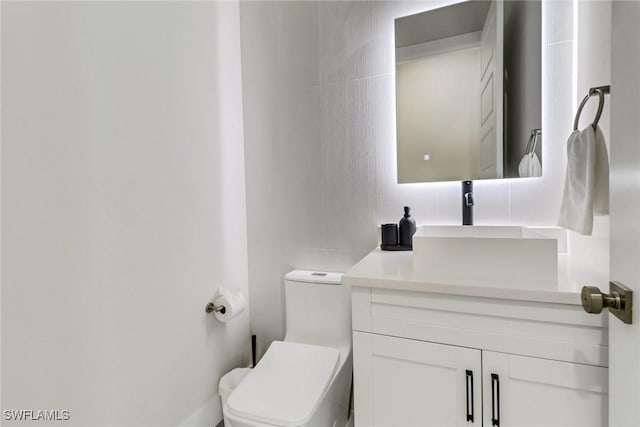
(468, 92)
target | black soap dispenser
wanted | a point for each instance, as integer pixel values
(407, 229)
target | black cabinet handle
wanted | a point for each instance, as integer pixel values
(469, 382)
(495, 400)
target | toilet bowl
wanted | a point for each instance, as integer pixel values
(304, 380)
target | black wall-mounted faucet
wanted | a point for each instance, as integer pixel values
(467, 202)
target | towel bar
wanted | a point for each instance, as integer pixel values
(601, 91)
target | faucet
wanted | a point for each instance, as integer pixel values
(467, 202)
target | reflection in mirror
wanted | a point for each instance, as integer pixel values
(468, 92)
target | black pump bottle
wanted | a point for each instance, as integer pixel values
(407, 228)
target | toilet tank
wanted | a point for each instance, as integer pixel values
(318, 309)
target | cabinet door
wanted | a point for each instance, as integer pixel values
(525, 391)
(406, 383)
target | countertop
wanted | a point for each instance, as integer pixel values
(395, 270)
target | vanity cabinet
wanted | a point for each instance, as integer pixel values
(403, 382)
(426, 359)
(528, 391)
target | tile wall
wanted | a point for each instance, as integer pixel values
(318, 82)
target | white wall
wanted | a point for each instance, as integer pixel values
(433, 92)
(318, 81)
(593, 68)
(522, 86)
(123, 208)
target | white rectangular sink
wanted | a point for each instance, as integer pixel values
(503, 256)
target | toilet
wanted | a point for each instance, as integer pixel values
(304, 380)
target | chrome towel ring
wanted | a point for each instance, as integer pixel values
(601, 91)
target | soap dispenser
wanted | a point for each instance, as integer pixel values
(407, 228)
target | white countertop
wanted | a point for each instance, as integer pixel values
(395, 270)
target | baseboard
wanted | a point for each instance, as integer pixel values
(206, 415)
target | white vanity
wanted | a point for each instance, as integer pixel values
(471, 351)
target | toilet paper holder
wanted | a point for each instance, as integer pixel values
(212, 308)
(226, 304)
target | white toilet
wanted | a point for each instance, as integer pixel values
(304, 380)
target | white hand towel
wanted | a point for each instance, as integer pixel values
(530, 166)
(586, 187)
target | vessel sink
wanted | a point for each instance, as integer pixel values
(502, 256)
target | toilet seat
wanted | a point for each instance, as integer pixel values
(287, 386)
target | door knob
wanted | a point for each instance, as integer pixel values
(593, 300)
(619, 301)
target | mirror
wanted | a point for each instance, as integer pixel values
(469, 92)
